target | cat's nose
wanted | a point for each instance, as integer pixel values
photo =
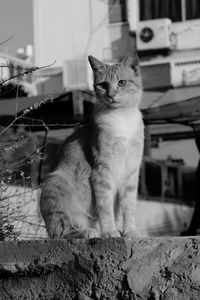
(111, 94)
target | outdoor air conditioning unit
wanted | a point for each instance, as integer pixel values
(170, 72)
(154, 34)
(77, 74)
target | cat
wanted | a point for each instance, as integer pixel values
(92, 191)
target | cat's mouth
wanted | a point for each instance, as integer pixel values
(111, 102)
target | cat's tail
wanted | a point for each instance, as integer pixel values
(58, 226)
(64, 214)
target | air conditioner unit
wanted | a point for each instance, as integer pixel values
(77, 74)
(186, 34)
(170, 72)
(154, 34)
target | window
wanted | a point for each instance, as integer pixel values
(192, 9)
(117, 11)
(176, 10)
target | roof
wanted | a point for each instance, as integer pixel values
(169, 129)
(150, 98)
(173, 96)
(11, 107)
(183, 112)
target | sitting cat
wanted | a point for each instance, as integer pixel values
(93, 189)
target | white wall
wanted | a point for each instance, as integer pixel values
(120, 41)
(133, 14)
(20, 205)
(66, 30)
(181, 149)
(155, 218)
(69, 29)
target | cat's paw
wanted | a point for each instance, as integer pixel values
(111, 234)
(132, 233)
(90, 233)
(56, 225)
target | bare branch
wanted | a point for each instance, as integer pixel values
(10, 38)
(14, 67)
(26, 72)
(9, 216)
(31, 108)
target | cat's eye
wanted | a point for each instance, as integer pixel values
(122, 83)
(102, 85)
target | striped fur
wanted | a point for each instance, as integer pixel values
(93, 189)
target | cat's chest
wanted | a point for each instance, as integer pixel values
(121, 124)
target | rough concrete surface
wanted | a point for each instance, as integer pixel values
(117, 268)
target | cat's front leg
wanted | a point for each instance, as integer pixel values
(104, 191)
(129, 202)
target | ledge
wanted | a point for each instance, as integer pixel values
(142, 268)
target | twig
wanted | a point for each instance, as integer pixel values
(13, 145)
(10, 38)
(17, 99)
(37, 120)
(26, 72)
(21, 164)
(20, 193)
(14, 67)
(35, 106)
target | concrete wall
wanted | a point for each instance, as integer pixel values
(73, 30)
(120, 41)
(69, 30)
(159, 269)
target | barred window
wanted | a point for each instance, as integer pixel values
(176, 10)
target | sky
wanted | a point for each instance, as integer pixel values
(16, 20)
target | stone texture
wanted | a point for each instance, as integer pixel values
(141, 268)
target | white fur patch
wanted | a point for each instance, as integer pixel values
(123, 122)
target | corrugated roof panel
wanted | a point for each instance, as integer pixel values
(169, 129)
(177, 95)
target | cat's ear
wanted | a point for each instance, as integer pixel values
(97, 66)
(131, 61)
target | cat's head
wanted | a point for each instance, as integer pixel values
(117, 85)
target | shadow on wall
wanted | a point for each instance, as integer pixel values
(122, 42)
